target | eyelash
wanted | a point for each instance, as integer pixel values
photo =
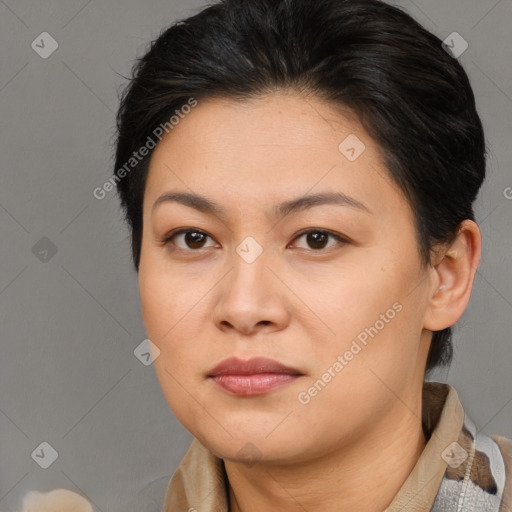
(167, 239)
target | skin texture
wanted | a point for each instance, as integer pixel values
(301, 302)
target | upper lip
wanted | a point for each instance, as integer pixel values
(235, 366)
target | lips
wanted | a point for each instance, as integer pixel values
(234, 366)
(256, 376)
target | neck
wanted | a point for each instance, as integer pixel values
(362, 475)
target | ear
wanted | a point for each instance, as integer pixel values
(452, 276)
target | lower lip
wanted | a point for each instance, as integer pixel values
(257, 384)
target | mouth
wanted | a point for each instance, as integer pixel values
(257, 376)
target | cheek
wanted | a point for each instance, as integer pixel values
(169, 320)
(167, 299)
(356, 299)
(174, 315)
(174, 371)
(155, 305)
(375, 318)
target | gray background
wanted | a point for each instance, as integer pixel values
(70, 321)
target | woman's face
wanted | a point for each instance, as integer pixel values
(344, 315)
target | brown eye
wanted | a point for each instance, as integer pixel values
(317, 239)
(193, 239)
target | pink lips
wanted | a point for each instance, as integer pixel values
(256, 376)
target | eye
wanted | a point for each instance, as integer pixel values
(317, 238)
(193, 239)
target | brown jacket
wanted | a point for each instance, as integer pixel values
(459, 470)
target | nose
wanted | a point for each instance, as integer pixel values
(252, 298)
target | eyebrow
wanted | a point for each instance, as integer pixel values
(209, 206)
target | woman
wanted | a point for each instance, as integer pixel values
(299, 180)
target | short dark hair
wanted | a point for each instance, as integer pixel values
(412, 97)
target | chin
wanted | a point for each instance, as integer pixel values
(250, 447)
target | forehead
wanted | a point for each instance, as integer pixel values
(276, 121)
(271, 148)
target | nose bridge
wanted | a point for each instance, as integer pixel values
(250, 261)
(251, 294)
(253, 240)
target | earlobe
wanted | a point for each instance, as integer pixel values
(453, 277)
